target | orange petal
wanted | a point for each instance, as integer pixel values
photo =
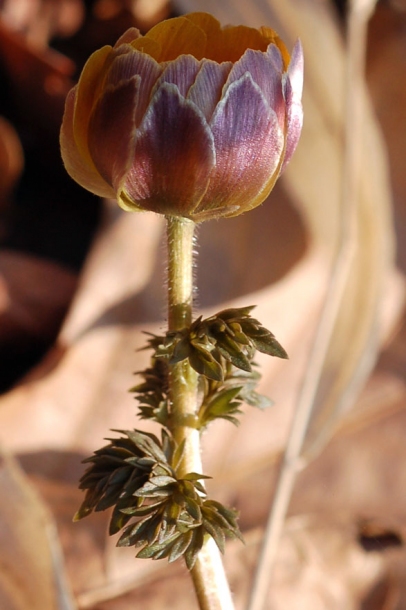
(77, 167)
(207, 23)
(178, 36)
(233, 42)
(271, 36)
(128, 37)
(268, 33)
(88, 90)
(148, 46)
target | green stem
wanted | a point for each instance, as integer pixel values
(183, 379)
(208, 575)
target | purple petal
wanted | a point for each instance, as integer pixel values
(295, 70)
(111, 131)
(262, 69)
(248, 144)
(293, 92)
(294, 125)
(130, 63)
(174, 156)
(276, 56)
(180, 72)
(207, 88)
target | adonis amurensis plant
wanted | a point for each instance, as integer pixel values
(195, 122)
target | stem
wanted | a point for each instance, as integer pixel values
(183, 379)
(208, 575)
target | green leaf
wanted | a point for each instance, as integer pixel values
(194, 547)
(254, 399)
(178, 454)
(228, 517)
(204, 364)
(181, 350)
(199, 487)
(140, 511)
(162, 481)
(236, 312)
(241, 337)
(185, 523)
(109, 498)
(83, 511)
(220, 403)
(180, 546)
(193, 509)
(231, 419)
(194, 476)
(216, 532)
(230, 350)
(144, 463)
(224, 404)
(188, 488)
(140, 532)
(149, 490)
(168, 445)
(171, 513)
(213, 515)
(228, 513)
(269, 345)
(147, 443)
(118, 521)
(162, 469)
(154, 549)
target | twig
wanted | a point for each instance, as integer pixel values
(292, 462)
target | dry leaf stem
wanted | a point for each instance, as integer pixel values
(208, 574)
(293, 459)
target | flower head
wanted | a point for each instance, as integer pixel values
(190, 120)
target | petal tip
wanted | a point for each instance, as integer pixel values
(295, 69)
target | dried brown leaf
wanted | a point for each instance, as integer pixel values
(32, 574)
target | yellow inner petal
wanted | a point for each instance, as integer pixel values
(272, 36)
(206, 22)
(148, 46)
(176, 37)
(88, 91)
(233, 42)
(201, 35)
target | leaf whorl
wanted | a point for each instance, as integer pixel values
(134, 475)
(231, 336)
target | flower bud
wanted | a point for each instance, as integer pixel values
(190, 120)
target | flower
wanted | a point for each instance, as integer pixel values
(190, 120)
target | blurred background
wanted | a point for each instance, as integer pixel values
(80, 280)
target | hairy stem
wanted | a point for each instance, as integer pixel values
(183, 379)
(208, 573)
